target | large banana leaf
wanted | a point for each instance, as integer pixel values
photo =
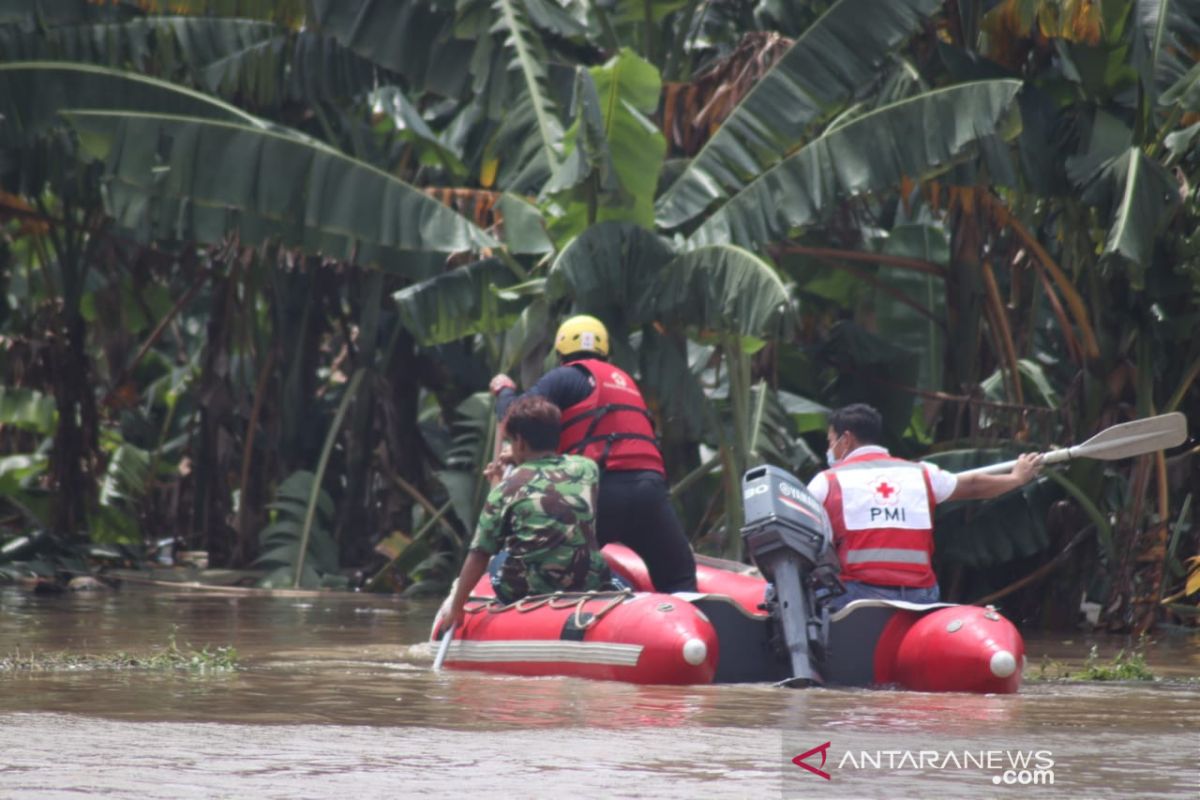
(455, 48)
(154, 217)
(724, 289)
(165, 45)
(775, 437)
(613, 152)
(524, 226)
(281, 542)
(738, 300)
(32, 93)
(495, 51)
(62, 12)
(515, 151)
(259, 63)
(807, 415)
(1140, 196)
(459, 303)
(290, 184)
(528, 340)
(290, 13)
(835, 58)
(1173, 28)
(913, 138)
(610, 270)
(587, 166)
(919, 324)
(670, 369)
(416, 39)
(300, 67)
(531, 59)
(284, 12)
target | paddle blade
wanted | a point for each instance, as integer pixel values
(1135, 438)
(440, 658)
(1126, 440)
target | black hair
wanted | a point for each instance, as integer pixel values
(580, 355)
(864, 421)
(536, 420)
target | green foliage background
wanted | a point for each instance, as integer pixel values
(258, 261)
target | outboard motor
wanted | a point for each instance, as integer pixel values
(788, 536)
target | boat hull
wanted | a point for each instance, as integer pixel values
(636, 638)
(723, 634)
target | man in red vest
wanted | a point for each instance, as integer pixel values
(604, 418)
(881, 508)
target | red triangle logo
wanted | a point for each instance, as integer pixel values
(822, 749)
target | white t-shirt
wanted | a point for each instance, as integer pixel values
(944, 483)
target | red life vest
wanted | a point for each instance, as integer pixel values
(611, 425)
(881, 509)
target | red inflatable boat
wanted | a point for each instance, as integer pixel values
(739, 627)
(725, 633)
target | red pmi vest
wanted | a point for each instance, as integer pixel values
(611, 425)
(881, 509)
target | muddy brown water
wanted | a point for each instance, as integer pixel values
(334, 698)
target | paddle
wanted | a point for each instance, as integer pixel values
(442, 648)
(1120, 441)
(498, 449)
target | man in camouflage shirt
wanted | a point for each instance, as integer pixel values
(539, 521)
(540, 518)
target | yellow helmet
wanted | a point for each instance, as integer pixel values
(581, 334)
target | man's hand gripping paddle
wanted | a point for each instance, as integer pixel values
(1126, 440)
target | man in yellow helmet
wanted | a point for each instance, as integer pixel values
(604, 418)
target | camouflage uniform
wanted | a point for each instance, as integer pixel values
(543, 515)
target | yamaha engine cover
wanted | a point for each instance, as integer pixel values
(780, 513)
(788, 535)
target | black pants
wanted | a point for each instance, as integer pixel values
(635, 510)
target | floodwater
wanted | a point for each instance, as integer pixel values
(334, 698)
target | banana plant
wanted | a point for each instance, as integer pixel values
(871, 153)
(297, 552)
(739, 300)
(260, 63)
(827, 65)
(613, 153)
(33, 415)
(491, 54)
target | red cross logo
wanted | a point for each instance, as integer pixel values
(886, 493)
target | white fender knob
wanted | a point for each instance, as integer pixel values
(695, 651)
(1003, 664)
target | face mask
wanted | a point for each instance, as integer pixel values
(830, 458)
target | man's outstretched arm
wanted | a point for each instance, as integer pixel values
(564, 386)
(982, 487)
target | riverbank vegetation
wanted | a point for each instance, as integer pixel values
(258, 260)
(1127, 665)
(172, 657)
